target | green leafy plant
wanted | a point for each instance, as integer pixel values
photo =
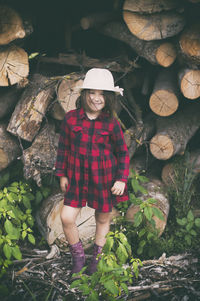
(16, 221)
(112, 276)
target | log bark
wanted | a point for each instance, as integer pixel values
(155, 26)
(189, 81)
(8, 99)
(9, 147)
(189, 43)
(81, 60)
(14, 65)
(149, 6)
(29, 112)
(11, 25)
(97, 19)
(154, 189)
(156, 52)
(174, 132)
(40, 157)
(164, 98)
(168, 173)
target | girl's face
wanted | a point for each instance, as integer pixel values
(95, 101)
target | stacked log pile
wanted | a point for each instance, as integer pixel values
(161, 79)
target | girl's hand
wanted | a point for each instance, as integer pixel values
(64, 183)
(118, 188)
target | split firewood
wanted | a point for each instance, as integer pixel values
(9, 147)
(97, 19)
(154, 190)
(174, 132)
(11, 25)
(149, 6)
(14, 65)
(40, 157)
(189, 43)
(189, 80)
(156, 52)
(168, 174)
(8, 99)
(164, 98)
(154, 26)
(29, 112)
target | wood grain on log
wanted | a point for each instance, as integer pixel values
(174, 132)
(29, 112)
(189, 80)
(156, 52)
(149, 6)
(154, 26)
(190, 42)
(154, 189)
(9, 147)
(11, 25)
(164, 98)
(14, 65)
(8, 99)
(40, 157)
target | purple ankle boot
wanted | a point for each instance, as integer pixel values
(78, 257)
(93, 264)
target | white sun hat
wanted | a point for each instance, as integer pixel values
(100, 79)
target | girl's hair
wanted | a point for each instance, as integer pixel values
(110, 101)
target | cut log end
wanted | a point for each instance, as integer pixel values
(190, 84)
(161, 147)
(166, 54)
(163, 103)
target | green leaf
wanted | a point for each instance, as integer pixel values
(158, 213)
(124, 287)
(197, 222)
(143, 179)
(122, 254)
(85, 289)
(111, 287)
(182, 221)
(148, 213)
(190, 216)
(26, 202)
(193, 232)
(16, 252)
(141, 232)
(93, 296)
(13, 232)
(137, 219)
(7, 251)
(13, 189)
(31, 238)
(75, 283)
(188, 239)
(24, 233)
(108, 245)
(189, 226)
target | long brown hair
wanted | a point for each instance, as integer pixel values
(110, 101)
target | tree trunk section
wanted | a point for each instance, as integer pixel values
(40, 157)
(190, 43)
(189, 81)
(154, 26)
(9, 147)
(8, 99)
(174, 132)
(154, 189)
(14, 65)
(149, 6)
(11, 25)
(156, 52)
(29, 112)
(164, 98)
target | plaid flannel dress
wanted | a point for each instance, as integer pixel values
(93, 155)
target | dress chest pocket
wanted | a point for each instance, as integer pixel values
(102, 136)
(76, 133)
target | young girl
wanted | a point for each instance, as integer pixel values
(92, 162)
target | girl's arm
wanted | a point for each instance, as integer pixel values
(63, 149)
(121, 151)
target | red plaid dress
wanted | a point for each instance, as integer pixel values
(93, 155)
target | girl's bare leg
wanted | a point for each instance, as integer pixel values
(102, 227)
(68, 217)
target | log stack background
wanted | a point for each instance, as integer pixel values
(153, 49)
